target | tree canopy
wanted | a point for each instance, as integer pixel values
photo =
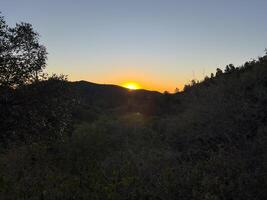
(22, 57)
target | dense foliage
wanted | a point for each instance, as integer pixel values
(22, 58)
(62, 140)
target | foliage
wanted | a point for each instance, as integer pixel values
(208, 142)
(22, 58)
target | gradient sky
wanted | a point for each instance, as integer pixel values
(161, 44)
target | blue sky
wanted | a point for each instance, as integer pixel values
(161, 44)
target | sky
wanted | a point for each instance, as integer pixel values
(160, 44)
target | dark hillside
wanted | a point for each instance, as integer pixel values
(207, 142)
(79, 140)
(94, 99)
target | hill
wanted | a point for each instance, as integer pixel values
(95, 99)
(80, 140)
(92, 141)
(113, 95)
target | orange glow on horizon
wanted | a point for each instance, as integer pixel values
(132, 85)
(143, 82)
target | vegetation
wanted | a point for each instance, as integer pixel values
(78, 140)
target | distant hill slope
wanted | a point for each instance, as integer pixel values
(112, 97)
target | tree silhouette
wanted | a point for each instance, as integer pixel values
(229, 68)
(22, 58)
(218, 72)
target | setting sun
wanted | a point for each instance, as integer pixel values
(131, 85)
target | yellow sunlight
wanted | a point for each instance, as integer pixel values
(131, 85)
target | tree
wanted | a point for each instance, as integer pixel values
(22, 58)
(33, 105)
(219, 72)
(229, 68)
(211, 75)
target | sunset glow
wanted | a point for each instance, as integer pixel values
(161, 46)
(131, 85)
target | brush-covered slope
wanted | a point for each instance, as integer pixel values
(208, 142)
